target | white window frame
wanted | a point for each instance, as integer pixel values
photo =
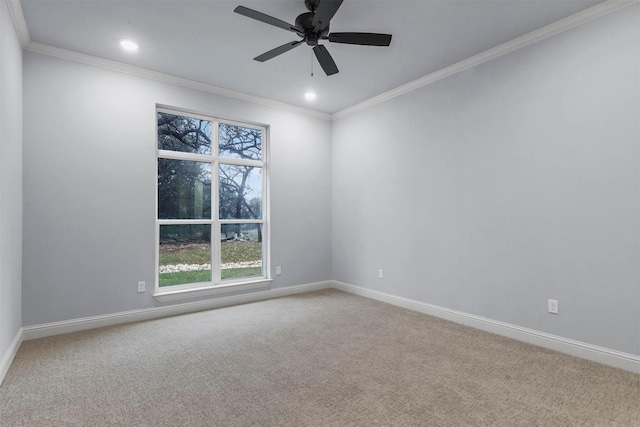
(217, 285)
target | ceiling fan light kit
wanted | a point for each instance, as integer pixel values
(312, 27)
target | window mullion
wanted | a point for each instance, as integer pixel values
(242, 162)
(216, 257)
(183, 221)
(179, 155)
(266, 254)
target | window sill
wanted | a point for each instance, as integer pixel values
(203, 291)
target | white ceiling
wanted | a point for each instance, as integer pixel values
(206, 42)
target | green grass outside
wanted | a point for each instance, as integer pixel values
(183, 277)
(201, 254)
(230, 273)
(241, 251)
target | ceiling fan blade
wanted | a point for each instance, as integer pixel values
(323, 14)
(367, 39)
(259, 16)
(277, 51)
(325, 60)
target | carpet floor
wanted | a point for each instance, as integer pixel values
(324, 358)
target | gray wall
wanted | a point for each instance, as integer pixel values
(90, 182)
(498, 188)
(487, 192)
(10, 181)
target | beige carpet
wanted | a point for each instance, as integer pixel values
(320, 359)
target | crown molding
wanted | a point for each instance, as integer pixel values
(557, 27)
(120, 67)
(17, 15)
(15, 10)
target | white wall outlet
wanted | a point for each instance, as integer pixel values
(141, 286)
(380, 274)
(278, 270)
(553, 306)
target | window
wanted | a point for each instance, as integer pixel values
(211, 216)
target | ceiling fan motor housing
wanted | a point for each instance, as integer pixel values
(305, 22)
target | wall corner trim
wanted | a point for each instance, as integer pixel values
(552, 29)
(8, 357)
(606, 356)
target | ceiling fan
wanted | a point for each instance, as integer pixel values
(313, 26)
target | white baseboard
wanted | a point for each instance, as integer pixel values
(10, 354)
(606, 356)
(74, 325)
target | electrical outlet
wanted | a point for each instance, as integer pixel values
(380, 274)
(278, 270)
(553, 306)
(141, 287)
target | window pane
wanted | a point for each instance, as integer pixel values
(240, 192)
(186, 134)
(184, 189)
(185, 254)
(239, 142)
(241, 250)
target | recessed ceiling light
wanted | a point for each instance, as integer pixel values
(128, 45)
(309, 96)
